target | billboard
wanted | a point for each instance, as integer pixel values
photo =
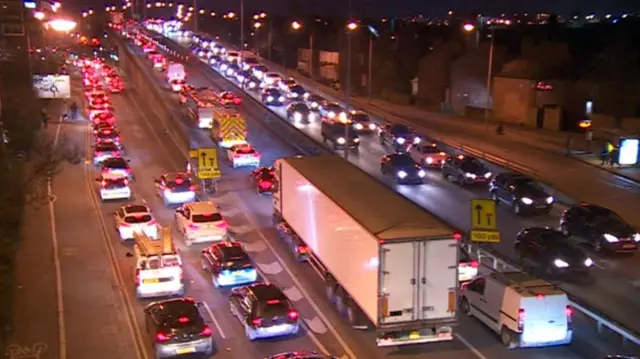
(52, 86)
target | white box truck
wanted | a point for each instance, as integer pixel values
(386, 262)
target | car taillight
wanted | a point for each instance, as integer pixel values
(302, 249)
(265, 184)
(222, 224)
(162, 337)
(117, 138)
(293, 315)
(256, 322)
(193, 226)
(192, 188)
(256, 154)
(137, 277)
(521, 317)
(152, 222)
(474, 264)
(116, 153)
(128, 170)
(206, 331)
(457, 236)
(237, 101)
(104, 183)
(97, 153)
(569, 311)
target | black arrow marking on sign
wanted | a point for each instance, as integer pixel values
(489, 219)
(478, 209)
(212, 162)
(204, 159)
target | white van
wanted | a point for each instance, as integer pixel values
(526, 311)
(175, 71)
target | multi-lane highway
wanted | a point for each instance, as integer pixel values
(613, 286)
(250, 218)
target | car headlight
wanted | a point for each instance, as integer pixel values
(526, 200)
(341, 140)
(201, 53)
(224, 66)
(241, 78)
(549, 200)
(331, 114)
(416, 140)
(212, 61)
(372, 126)
(281, 98)
(610, 238)
(252, 84)
(293, 94)
(636, 237)
(588, 262)
(421, 173)
(560, 263)
(356, 140)
(487, 175)
(269, 98)
(400, 140)
(306, 95)
(358, 126)
(470, 175)
(402, 174)
(312, 116)
(297, 116)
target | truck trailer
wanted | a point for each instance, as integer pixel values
(386, 262)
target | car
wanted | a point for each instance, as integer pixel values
(201, 222)
(315, 102)
(428, 155)
(296, 92)
(104, 117)
(223, 66)
(115, 85)
(175, 188)
(159, 63)
(229, 98)
(135, 218)
(271, 79)
(117, 165)
(101, 126)
(340, 134)
(465, 170)
(243, 76)
(264, 311)
(259, 71)
(285, 85)
(231, 70)
(97, 111)
(99, 101)
(271, 96)
(599, 227)
(252, 83)
(551, 251)
(105, 150)
(218, 50)
(153, 54)
(176, 327)
(95, 94)
(300, 112)
(293, 241)
(265, 179)
(467, 267)
(398, 136)
(249, 62)
(332, 110)
(522, 193)
(232, 56)
(243, 155)
(108, 135)
(402, 168)
(148, 47)
(113, 186)
(361, 121)
(301, 355)
(228, 264)
(214, 59)
(177, 84)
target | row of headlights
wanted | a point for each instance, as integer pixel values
(563, 264)
(403, 174)
(402, 140)
(474, 176)
(342, 141)
(271, 99)
(613, 239)
(529, 201)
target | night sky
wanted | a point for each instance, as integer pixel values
(380, 8)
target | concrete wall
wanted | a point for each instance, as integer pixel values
(630, 125)
(512, 99)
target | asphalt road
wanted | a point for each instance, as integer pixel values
(474, 340)
(614, 285)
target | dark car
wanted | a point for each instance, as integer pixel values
(265, 180)
(398, 136)
(228, 264)
(107, 135)
(332, 110)
(300, 112)
(301, 355)
(315, 102)
(264, 311)
(339, 134)
(293, 242)
(252, 83)
(259, 71)
(297, 92)
(552, 251)
(214, 60)
(599, 227)
(272, 97)
(361, 121)
(104, 150)
(520, 192)
(402, 168)
(102, 126)
(176, 328)
(465, 170)
(249, 62)
(117, 165)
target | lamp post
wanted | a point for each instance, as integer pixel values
(241, 57)
(195, 18)
(470, 28)
(295, 25)
(351, 27)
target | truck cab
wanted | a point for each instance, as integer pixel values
(158, 267)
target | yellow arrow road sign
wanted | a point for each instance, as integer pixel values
(483, 214)
(208, 163)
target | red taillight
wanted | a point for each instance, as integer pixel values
(265, 184)
(128, 170)
(273, 301)
(457, 236)
(152, 222)
(161, 337)
(293, 315)
(540, 296)
(222, 224)
(97, 153)
(183, 320)
(474, 264)
(235, 155)
(116, 153)
(193, 226)
(237, 100)
(256, 322)
(192, 188)
(302, 249)
(137, 277)
(256, 154)
(179, 180)
(104, 183)
(117, 138)
(521, 317)
(569, 312)
(206, 331)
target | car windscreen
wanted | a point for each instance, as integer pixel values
(276, 309)
(296, 89)
(238, 262)
(179, 184)
(119, 163)
(206, 218)
(471, 165)
(144, 218)
(273, 92)
(338, 129)
(113, 183)
(402, 161)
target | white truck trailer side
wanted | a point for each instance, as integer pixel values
(386, 261)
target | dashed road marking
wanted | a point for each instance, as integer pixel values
(254, 247)
(316, 325)
(293, 293)
(273, 268)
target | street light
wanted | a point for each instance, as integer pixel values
(263, 15)
(39, 15)
(468, 27)
(471, 28)
(351, 26)
(231, 15)
(296, 25)
(62, 25)
(257, 25)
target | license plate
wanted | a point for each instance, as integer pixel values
(628, 246)
(185, 350)
(149, 281)
(414, 335)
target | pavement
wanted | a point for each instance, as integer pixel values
(439, 197)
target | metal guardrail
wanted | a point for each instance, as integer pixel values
(497, 261)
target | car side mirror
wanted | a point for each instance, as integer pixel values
(129, 255)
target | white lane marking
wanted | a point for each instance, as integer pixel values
(251, 218)
(470, 346)
(62, 330)
(293, 293)
(213, 318)
(316, 324)
(255, 247)
(270, 268)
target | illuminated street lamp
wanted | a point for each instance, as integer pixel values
(257, 25)
(231, 15)
(39, 15)
(296, 25)
(213, 14)
(468, 27)
(148, 6)
(352, 25)
(472, 28)
(90, 12)
(201, 11)
(256, 17)
(263, 15)
(85, 14)
(62, 25)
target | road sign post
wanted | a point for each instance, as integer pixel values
(484, 224)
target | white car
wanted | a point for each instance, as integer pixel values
(175, 188)
(201, 222)
(135, 218)
(243, 155)
(271, 79)
(114, 186)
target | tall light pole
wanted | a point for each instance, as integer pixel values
(195, 18)
(241, 31)
(295, 25)
(487, 99)
(372, 32)
(351, 27)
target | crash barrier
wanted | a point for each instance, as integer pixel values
(600, 319)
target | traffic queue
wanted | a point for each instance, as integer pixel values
(411, 157)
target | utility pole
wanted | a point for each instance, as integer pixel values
(348, 88)
(311, 54)
(241, 31)
(197, 14)
(489, 75)
(370, 78)
(270, 39)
